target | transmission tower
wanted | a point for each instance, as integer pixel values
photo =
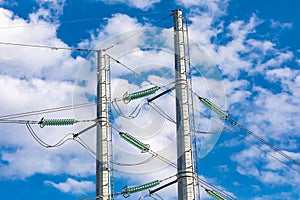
(102, 143)
(185, 169)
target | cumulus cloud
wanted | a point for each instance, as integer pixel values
(13, 90)
(73, 186)
(140, 4)
(121, 30)
(276, 24)
(54, 8)
(29, 157)
(265, 168)
(277, 61)
(33, 79)
(34, 62)
(8, 2)
(274, 109)
(214, 8)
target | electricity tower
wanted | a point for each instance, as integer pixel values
(185, 169)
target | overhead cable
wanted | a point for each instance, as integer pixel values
(44, 111)
(65, 139)
(74, 21)
(226, 116)
(46, 47)
(229, 129)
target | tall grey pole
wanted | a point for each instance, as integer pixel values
(185, 169)
(102, 161)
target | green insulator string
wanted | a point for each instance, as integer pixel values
(136, 95)
(135, 142)
(214, 194)
(214, 108)
(127, 191)
(56, 122)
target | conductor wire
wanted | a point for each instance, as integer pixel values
(44, 144)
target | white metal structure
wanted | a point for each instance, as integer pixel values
(102, 148)
(185, 169)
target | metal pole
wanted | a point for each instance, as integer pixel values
(102, 161)
(185, 169)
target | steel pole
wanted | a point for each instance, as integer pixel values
(102, 161)
(185, 169)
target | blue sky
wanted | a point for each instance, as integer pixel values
(245, 56)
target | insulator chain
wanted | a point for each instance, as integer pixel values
(127, 191)
(136, 95)
(56, 122)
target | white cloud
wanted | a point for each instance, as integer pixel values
(214, 8)
(201, 29)
(277, 195)
(18, 94)
(54, 8)
(277, 24)
(280, 74)
(141, 4)
(277, 61)
(228, 56)
(236, 91)
(8, 2)
(263, 47)
(33, 79)
(240, 29)
(273, 109)
(121, 30)
(120, 23)
(29, 157)
(265, 168)
(34, 62)
(73, 186)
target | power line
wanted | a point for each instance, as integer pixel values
(249, 142)
(65, 139)
(18, 122)
(46, 47)
(85, 146)
(161, 112)
(251, 133)
(203, 183)
(275, 149)
(155, 107)
(134, 164)
(44, 111)
(133, 114)
(47, 24)
(81, 142)
(167, 161)
(77, 20)
(123, 65)
(255, 136)
(72, 48)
